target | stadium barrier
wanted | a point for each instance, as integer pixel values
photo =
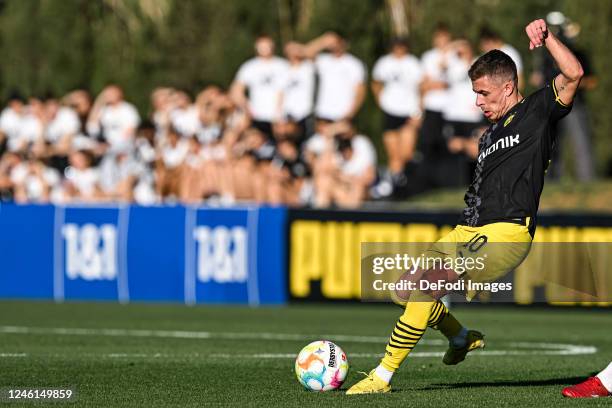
(245, 255)
(325, 247)
(131, 253)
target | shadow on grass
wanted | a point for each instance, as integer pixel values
(521, 383)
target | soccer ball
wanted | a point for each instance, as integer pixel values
(321, 366)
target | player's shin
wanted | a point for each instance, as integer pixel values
(408, 330)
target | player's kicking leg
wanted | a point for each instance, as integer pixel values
(421, 312)
(593, 387)
(424, 310)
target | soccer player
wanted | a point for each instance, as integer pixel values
(593, 387)
(502, 200)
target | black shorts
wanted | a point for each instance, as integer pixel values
(324, 119)
(392, 122)
(328, 120)
(431, 140)
(263, 126)
(305, 128)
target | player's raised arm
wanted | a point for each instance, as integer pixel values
(566, 83)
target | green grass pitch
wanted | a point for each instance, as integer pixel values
(173, 355)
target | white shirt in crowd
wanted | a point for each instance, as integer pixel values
(84, 181)
(114, 170)
(338, 81)
(115, 121)
(34, 185)
(461, 103)
(161, 121)
(30, 130)
(194, 159)
(298, 97)
(401, 78)
(514, 55)
(364, 157)
(66, 122)
(19, 128)
(209, 133)
(186, 120)
(213, 152)
(317, 144)
(10, 122)
(264, 79)
(174, 156)
(83, 142)
(144, 151)
(144, 190)
(431, 62)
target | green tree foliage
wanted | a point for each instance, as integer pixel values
(58, 45)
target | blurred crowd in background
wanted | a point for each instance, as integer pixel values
(283, 133)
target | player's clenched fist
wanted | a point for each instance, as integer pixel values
(537, 33)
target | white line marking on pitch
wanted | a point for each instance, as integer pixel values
(516, 347)
(569, 350)
(182, 334)
(12, 355)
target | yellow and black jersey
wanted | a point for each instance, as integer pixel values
(513, 155)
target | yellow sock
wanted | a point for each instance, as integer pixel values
(438, 313)
(407, 332)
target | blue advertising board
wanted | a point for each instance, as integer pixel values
(130, 253)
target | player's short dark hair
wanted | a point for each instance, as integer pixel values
(495, 64)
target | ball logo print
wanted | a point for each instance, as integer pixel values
(91, 251)
(332, 355)
(321, 366)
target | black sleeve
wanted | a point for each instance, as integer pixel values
(549, 104)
